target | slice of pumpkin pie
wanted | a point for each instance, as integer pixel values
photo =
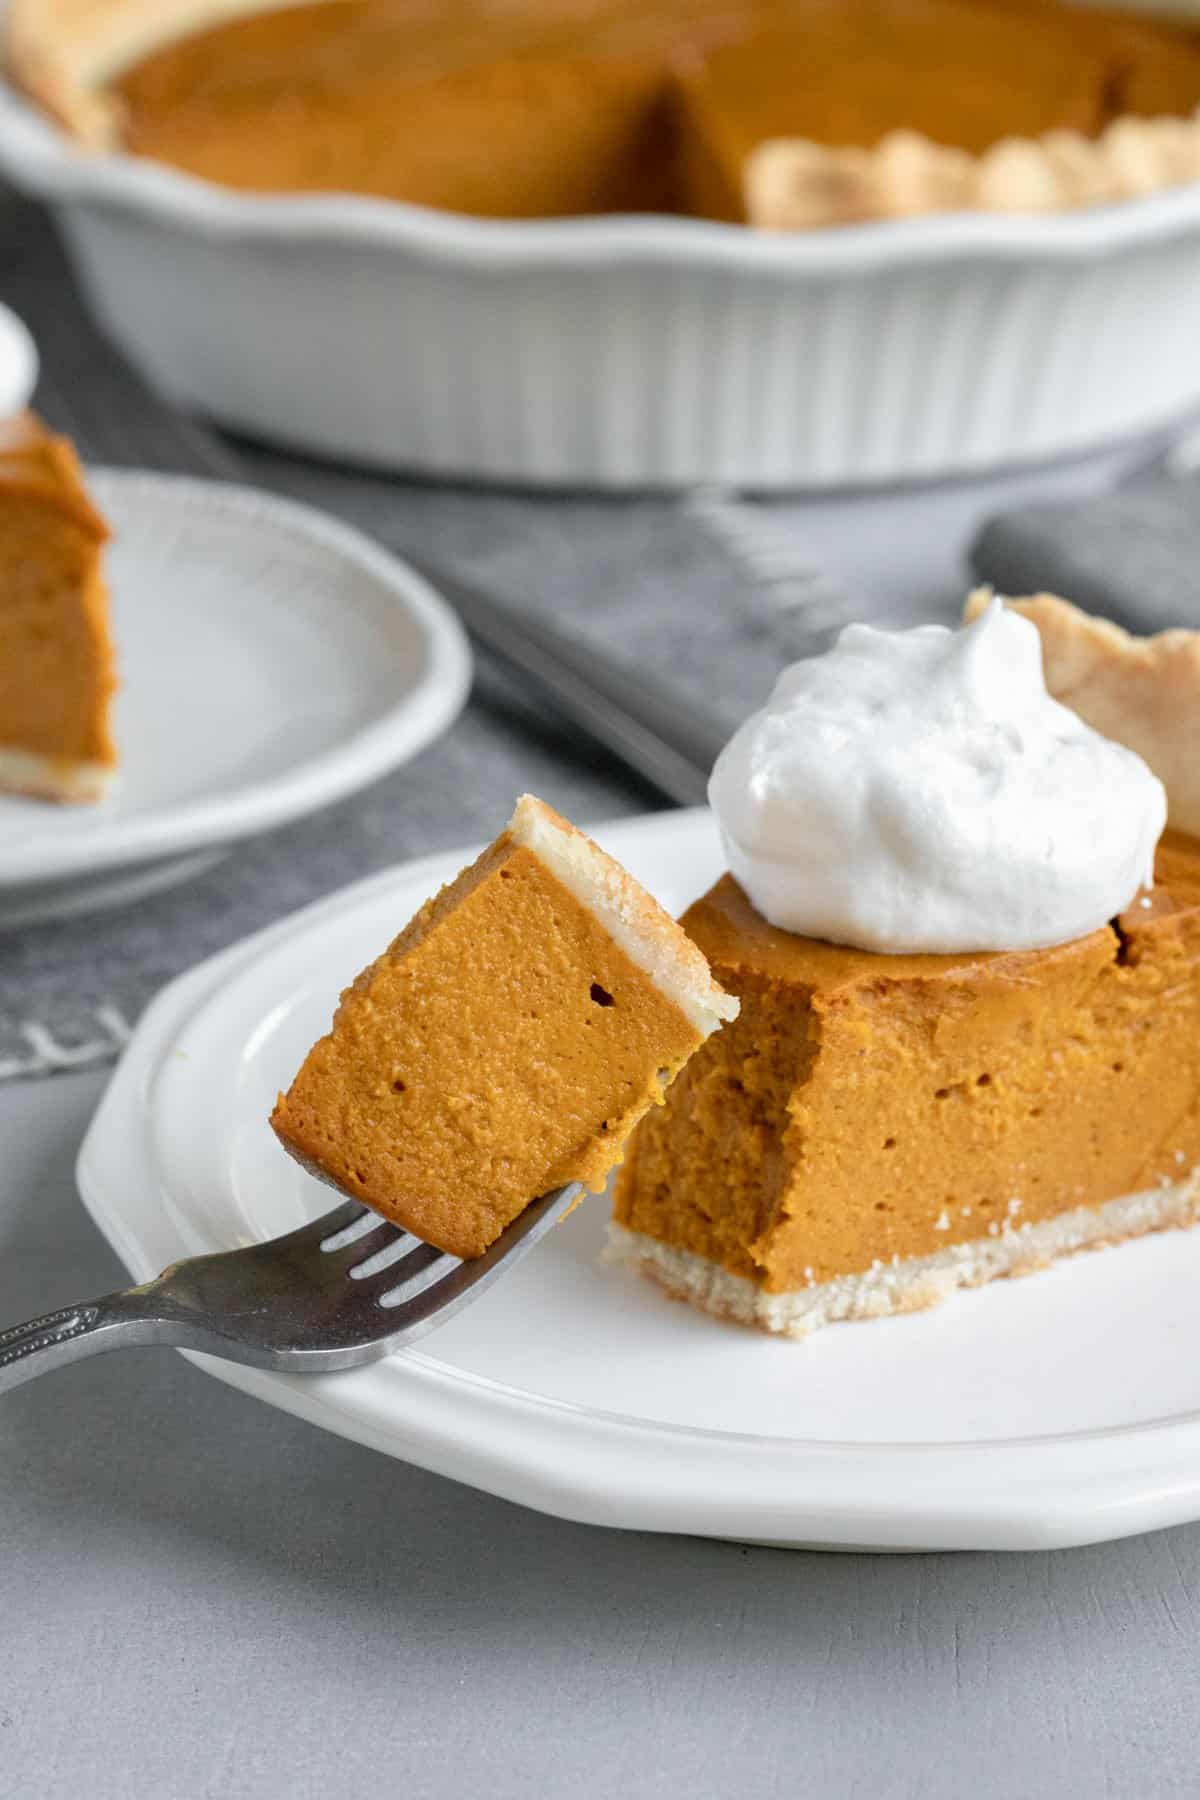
(506, 1043)
(969, 974)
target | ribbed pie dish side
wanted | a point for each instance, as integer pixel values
(631, 352)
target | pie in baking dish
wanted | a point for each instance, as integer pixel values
(784, 114)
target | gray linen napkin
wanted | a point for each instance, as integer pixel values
(1133, 556)
(641, 576)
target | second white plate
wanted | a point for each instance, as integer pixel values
(271, 661)
(1060, 1410)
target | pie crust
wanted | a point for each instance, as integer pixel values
(885, 1291)
(795, 185)
(62, 52)
(50, 778)
(1143, 692)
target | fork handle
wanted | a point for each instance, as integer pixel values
(57, 1338)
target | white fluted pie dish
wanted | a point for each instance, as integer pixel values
(627, 352)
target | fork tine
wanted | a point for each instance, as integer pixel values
(351, 1257)
(330, 1224)
(283, 1304)
(398, 1272)
(347, 1237)
(411, 1309)
(352, 1233)
(415, 1312)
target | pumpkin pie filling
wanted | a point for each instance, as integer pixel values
(323, 101)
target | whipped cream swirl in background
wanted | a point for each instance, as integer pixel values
(921, 791)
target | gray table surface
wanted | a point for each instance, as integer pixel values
(202, 1597)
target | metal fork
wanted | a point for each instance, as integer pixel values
(339, 1292)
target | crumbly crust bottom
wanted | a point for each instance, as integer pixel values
(49, 778)
(922, 1281)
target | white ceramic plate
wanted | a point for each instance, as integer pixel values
(18, 363)
(271, 661)
(632, 352)
(1059, 1410)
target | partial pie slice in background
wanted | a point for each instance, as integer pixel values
(56, 658)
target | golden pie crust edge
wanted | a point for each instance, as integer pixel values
(62, 52)
(1143, 692)
(793, 184)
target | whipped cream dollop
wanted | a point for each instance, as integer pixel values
(921, 791)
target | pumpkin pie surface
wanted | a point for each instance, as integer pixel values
(769, 112)
(876, 1130)
(512, 120)
(56, 659)
(506, 1043)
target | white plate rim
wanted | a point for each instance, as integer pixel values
(578, 1463)
(42, 158)
(419, 715)
(19, 362)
